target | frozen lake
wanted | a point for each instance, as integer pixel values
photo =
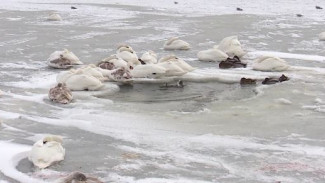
(212, 130)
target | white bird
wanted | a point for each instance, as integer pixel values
(64, 75)
(172, 69)
(322, 36)
(178, 61)
(63, 59)
(269, 63)
(93, 70)
(128, 54)
(148, 71)
(47, 151)
(77, 80)
(212, 55)
(81, 82)
(149, 57)
(54, 17)
(112, 62)
(176, 44)
(231, 46)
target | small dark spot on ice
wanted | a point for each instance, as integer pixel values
(318, 7)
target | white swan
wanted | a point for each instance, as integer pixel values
(60, 94)
(322, 36)
(231, 46)
(54, 17)
(149, 57)
(81, 82)
(176, 44)
(112, 62)
(148, 71)
(77, 80)
(178, 61)
(269, 63)
(172, 69)
(47, 151)
(93, 70)
(212, 55)
(63, 59)
(127, 54)
(64, 75)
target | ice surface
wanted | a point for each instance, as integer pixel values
(212, 130)
(10, 156)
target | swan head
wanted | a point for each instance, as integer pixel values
(66, 50)
(168, 58)
(123, 45)
(52, 138)
(110, 58)
(152, 53)
(92, 65)
(126, 49)
(170, 40)
(54, 17)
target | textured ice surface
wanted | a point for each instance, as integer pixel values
(212, 130)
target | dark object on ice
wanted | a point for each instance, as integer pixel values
(299, 15)
(78, 177)
(283, 78)
(72, 7)
(60, 94)
(247, 81)
(231, 63)
(269, 81)
(239, 9)
(318, 7)
(179, 84)
(175, 2)
(142, 62)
